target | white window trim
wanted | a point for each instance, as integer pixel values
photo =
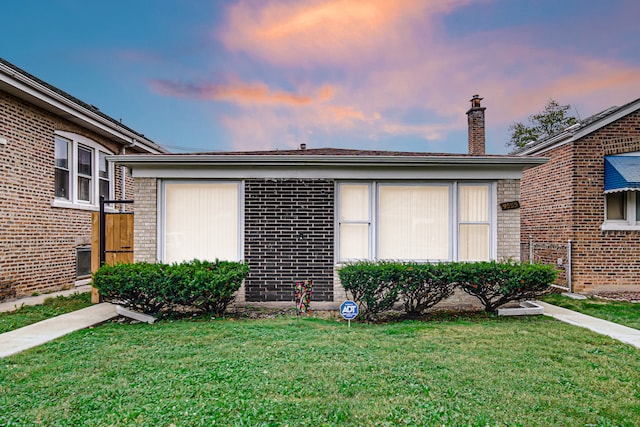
(454, 223)
(161, 212)
(632, 223)
(74, 141)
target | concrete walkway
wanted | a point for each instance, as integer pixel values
(18, 340)
(619, 332)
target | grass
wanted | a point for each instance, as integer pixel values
(26, 315)
(624, 313)
(531, 371)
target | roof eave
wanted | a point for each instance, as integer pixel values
(143, 160)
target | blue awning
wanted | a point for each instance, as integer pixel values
(621, 173)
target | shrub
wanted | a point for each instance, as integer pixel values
(140, 286)
(153, 288)
(424, 285)
(496, 284)
(374, 286)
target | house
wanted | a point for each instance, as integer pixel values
(588, 194)
(300, 214)
(53, 168)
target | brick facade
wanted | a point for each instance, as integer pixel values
(37, 241)
(508, 222)
(564, 200)
(289, 235)
(145, 220)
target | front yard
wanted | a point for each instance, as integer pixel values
(475, 371)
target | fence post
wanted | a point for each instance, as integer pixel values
(568, 270)
(530, 249)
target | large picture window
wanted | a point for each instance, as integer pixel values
(201, 220)
(414, 222)
(82, 172)
(442, 221)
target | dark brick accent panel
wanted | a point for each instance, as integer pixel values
(289, 235)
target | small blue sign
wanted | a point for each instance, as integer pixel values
(349, 310)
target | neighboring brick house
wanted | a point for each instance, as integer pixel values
(588, 193)
(53, 168)
(300, 214)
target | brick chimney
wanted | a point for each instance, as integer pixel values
(475, 118)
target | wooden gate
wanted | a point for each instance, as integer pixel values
(112, 246)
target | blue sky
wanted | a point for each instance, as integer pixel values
(196, 75)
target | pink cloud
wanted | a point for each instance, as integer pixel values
(237, 92)
(322, 32)
(391, 57)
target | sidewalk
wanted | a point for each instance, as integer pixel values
(18, 340)
(619, 332)
(17, 303)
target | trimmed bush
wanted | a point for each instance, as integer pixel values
(374, 286)
(424, 285)
(377, 286)
(496, 284)
(153, 288)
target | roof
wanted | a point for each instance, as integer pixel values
(621, 173)
(24, 85)
(327, 163)
(329, 151)
(580, 129)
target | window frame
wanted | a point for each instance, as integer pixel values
(454, 212)
(162, 210)
(75, 143)
(632, 211)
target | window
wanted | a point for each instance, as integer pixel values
(62, 168)
(201, 220)
(622, 210)
(83, 262)
(442, 221)
(82, 172)
(414, 222)
(474, 225)
(354, 221)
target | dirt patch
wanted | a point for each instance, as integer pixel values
(620, 296)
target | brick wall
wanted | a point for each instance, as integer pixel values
(564, 200)
(145, 220)
(37, 241)
(508, 220)
(289, 235)
(602, 259)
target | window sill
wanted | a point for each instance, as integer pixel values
(620, 227)
(80, 206)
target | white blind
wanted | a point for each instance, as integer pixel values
(201, 221)
(414, 222)
(474, 239)
(354, 221)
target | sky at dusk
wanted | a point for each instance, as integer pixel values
(210, 75)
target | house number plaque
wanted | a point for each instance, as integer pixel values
(510, 205)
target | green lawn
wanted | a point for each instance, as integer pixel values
(624, 313)
(531, 371)
(26, 315)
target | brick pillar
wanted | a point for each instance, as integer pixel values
(475, 119)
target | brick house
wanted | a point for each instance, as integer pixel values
(53, 168)
(587, 193)
(300, 214)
